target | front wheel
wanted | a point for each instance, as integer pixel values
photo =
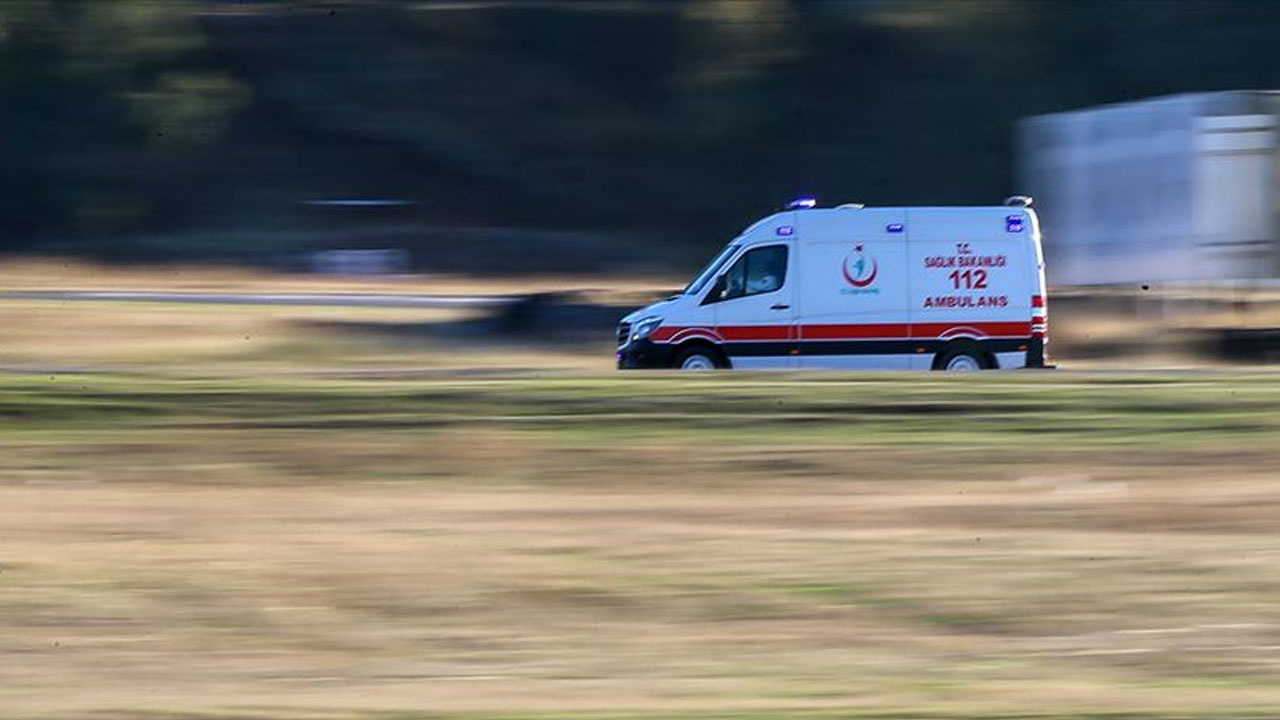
(697, 359)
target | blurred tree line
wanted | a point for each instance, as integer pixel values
(205, 125)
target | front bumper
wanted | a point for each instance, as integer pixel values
(644, 354)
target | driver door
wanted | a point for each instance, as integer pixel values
(755, 309)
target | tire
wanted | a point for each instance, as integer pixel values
(697, 359)
(961, 360)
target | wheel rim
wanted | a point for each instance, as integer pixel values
(698, 362)
(963, 363)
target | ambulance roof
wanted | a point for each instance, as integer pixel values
(918, 223)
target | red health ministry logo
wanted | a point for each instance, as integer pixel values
(860, 267)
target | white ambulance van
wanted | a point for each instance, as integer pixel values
(853, 287)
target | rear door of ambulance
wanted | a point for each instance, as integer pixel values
(853, 289)
(969, 280)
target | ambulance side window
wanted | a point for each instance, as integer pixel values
(762, 270)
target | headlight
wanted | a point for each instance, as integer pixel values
(644, 327)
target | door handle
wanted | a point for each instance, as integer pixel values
(780, 306)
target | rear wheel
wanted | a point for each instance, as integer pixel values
(698, 358)
(963, 359)
(963, 362)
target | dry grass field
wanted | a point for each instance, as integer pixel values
(252, 513)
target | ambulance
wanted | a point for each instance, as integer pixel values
(854, 287)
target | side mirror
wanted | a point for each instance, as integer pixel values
(717, 291)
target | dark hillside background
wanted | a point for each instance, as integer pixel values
(598, 132)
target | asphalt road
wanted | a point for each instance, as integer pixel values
(311, 299)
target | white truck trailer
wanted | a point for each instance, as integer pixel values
(1177, 189)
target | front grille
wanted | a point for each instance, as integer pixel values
(624, 333)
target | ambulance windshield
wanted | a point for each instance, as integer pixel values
(710, 270)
